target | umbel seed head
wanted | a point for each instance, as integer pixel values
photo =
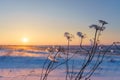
(103, 22)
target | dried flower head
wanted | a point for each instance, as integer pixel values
(52, 58)
(68, 36)
(96, 27)
(59, 55)
(60, 49)
(81, 35)
(50, 49)
(103, 22)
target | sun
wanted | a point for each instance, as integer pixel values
(25, 40)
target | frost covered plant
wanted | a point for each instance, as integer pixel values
(92, 54)
(103, 22)
(101, 28)
(68, 36)
(96, 27)
(81, 35)
(50, 49)
(52, 58)
(51, 63)
(54, 52)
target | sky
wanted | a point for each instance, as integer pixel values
(44, 22)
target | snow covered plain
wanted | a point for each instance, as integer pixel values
(26, 64)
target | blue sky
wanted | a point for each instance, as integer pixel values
(45, 21)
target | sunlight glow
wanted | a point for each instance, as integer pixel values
(25, 40)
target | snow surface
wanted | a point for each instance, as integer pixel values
(27, 64)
